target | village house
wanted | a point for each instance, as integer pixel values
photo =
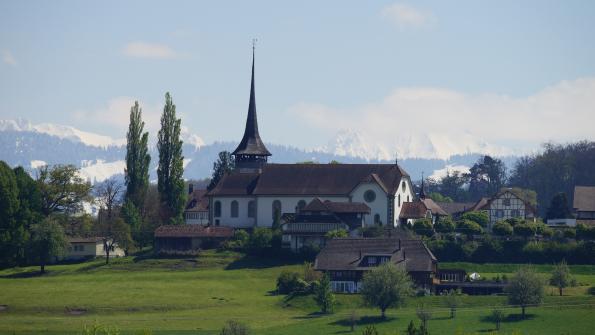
(189, 239)
(252, 194)
(422, 208)
(310, 224)
(89, 247)
(346, 260)
(506, 204)
(197, 207)
(584, 204)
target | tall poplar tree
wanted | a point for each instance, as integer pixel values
(170, 182)
(137, 159)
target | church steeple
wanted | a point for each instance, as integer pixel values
(251, 152)
(422, 192)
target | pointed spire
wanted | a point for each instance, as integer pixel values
(422, 192)
(251, 144)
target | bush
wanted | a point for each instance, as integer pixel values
(502, 228)
(469, 228)
(479, 217)
(260, 240)
(423, 227)
(238, 241)
(585, 232)
(569, 233)
(372, 231)
(337, 233)
(525, 230)
(290, 282)
(234, 328)
(515, 221)
(445, 225)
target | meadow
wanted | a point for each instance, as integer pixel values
(197, 295)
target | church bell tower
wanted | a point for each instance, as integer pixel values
(251, 154)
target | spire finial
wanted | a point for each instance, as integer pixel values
(254, 40)
(396, 158)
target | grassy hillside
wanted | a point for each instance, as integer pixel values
(196, 296)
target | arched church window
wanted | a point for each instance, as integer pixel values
(234, 209)
(301, 204)
(276, 208)
(251, 209)
(217, 209)
(404, 186)
(408, 198)
(399, 198)
(377, 219)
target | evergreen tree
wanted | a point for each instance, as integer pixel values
(559, 208)
(325, 299)
(170, 171)
(223, 165)
(12, 232)
(137, 159)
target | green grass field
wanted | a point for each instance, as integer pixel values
(196, 296)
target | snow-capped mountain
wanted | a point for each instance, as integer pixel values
(100, 157)
(349, 142)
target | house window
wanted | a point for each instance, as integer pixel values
(234, 209)
(251, 209)
(499, 213)
(369, 196)
(506, 202)
(371, 260)
(301, 204)
(403, 186)
(276, 208)
(377, 219)
(515, 213)
(217, 209)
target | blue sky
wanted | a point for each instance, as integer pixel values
(373, 67)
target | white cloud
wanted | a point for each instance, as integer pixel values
(8, 58)
(149, 50)
(405, 15)
(437, 122)
(116, 114)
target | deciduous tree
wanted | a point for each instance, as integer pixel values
(223, 165)
(48, 241)
(386, 286)
(323, 295)
(137, 159)
(62, 189)
(525, 289)
(561, 277)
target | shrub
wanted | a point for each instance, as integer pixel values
(323, 295)
(585, 232)
(502, 228)
(423, 227)
(569, 233)
(372, 231)
(234, 328)
(515, 221)
(469, 228)
(525, 230)
(337, 233)
(290, 282)
(445, 225)
(311, 275)
(239, 240)
(479, 217)
(260, 240)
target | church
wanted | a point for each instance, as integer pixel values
(256, 191)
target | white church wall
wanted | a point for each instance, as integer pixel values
(404, 194)
(288, 205)
(242, 221)
(378, 206)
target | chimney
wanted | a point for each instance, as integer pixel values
(190, 188)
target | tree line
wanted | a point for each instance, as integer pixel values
(38, 213)
(538, 177)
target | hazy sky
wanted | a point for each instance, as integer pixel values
(458, 70)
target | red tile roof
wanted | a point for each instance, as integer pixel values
(193, 230)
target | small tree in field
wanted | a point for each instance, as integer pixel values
(525, 289)
(386, 286)
(561, 277)
(497, 317)
(234, 328)
(424, 315)
(325, 299)
(453, 300)
(48, 241)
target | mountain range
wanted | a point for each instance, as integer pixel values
(100, 157)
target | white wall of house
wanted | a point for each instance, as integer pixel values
(507, 206)
(226, 219)
(403, 194)
(194, 217)
(78, 250)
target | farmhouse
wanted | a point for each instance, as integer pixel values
(189, 239)
(584, 204)
(506, 204)
(346, 260)
(89, 247)
(311, 223)
(252, 194)
(197, 207)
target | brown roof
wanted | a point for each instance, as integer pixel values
(310, 179)
(317, 205)
(348, 253)
(455, 207)
(584, 198)
(193, 230)
(418, 209)
(197, 202)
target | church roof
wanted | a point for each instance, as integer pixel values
(251, 143)
(309, 179)
(317, 205)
